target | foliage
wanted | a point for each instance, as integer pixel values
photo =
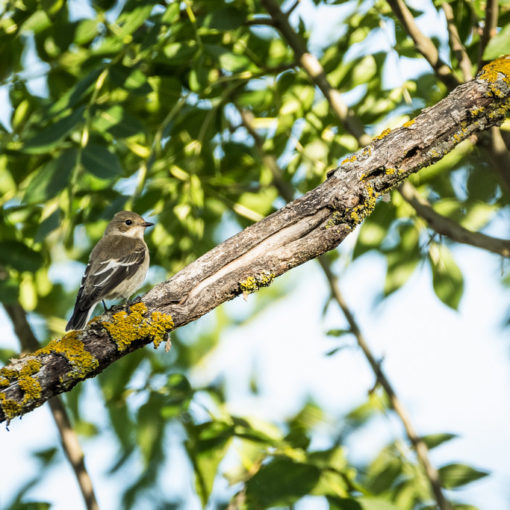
(137, 105)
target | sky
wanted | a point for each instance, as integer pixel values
(451, 369)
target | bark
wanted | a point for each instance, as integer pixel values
(304, 229)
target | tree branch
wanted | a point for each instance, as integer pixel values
(489, 27)
(422, 452)
(302, 230)
(423, 43)
(456, 43)
(68, 436)
(450, 228)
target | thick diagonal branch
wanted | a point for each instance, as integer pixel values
(302, 230)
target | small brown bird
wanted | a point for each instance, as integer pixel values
(117, 266)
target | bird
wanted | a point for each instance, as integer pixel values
(117, 266)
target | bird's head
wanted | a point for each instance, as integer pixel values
(127, 223)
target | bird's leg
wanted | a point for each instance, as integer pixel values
(104, 306)
(133, 301)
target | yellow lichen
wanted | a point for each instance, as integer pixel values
(71, 347)
(476, 111)
(30, 386)
(126, 328)
(254, 283)
(390, 171)
(409, 123)
(349, 160)
(498, 69)
(386, 132)
(10, 407)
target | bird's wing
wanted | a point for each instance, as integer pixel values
(110, 264)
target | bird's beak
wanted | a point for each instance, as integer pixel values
(147, 224)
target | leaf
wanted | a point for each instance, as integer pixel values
(19, 256)
(54, 133)
(338, 332)
(281, 482)
(227, 18)
(434, 440)
(99, 161)
(206, 447)
(447, 278)
(498, 45)
(458, 475)
(52, 178)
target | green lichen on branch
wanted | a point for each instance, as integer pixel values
(125, 328)
(28, 384)
(254, 283)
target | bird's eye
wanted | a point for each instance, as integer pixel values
(128, 222)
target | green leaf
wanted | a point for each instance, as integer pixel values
(498, 45)
(458, 475)
(338, 332)
(447, 278)
(207, 445)
(85, 31)
(227, 18)
(434, 440)
(281, 482)
(53, 134)
(19, 256)
(99, 161)
(52, 178)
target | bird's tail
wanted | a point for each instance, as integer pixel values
(79, 318)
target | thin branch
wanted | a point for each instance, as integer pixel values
(418, 444)
(499, 155)
(489, 28)
(422, 452)
(450, 228)
(314, 69)
(423, 43)
(456, 43)
(292, 8)
(302, 230)
(69, 439)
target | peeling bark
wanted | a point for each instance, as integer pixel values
(304, 229)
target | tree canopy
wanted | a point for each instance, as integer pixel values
(210, 117)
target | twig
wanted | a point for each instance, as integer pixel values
(68, 436)
(423, 43)
(422, 452)
(489, 28)
(450, 228)
(418, 444)
(313, 68)
(456, 43)
(498, 153)
(292, 8)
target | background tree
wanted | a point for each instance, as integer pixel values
(211, 115)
